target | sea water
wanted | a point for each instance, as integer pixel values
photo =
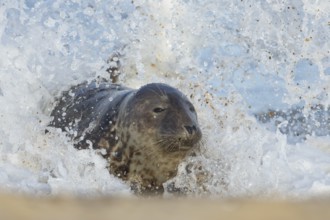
(236, 60)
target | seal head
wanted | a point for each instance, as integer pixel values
(163, 116)
(157, 128)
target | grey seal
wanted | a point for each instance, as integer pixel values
(144, 134)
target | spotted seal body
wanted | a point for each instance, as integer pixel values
(144, 133)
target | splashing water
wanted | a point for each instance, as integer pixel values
(234, 59)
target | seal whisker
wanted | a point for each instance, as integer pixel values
(162, 92)
(172, 146)
(168, 144)
(201, 146)
(155, 92)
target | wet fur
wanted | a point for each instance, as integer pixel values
(142, 146)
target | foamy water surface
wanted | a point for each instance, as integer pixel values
(235, 59)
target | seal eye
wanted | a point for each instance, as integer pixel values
(192, 109)
(158, 110)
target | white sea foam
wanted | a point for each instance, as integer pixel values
(232, 58)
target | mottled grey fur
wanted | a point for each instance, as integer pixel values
(144, 133)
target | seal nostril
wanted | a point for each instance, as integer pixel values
(190, 129)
